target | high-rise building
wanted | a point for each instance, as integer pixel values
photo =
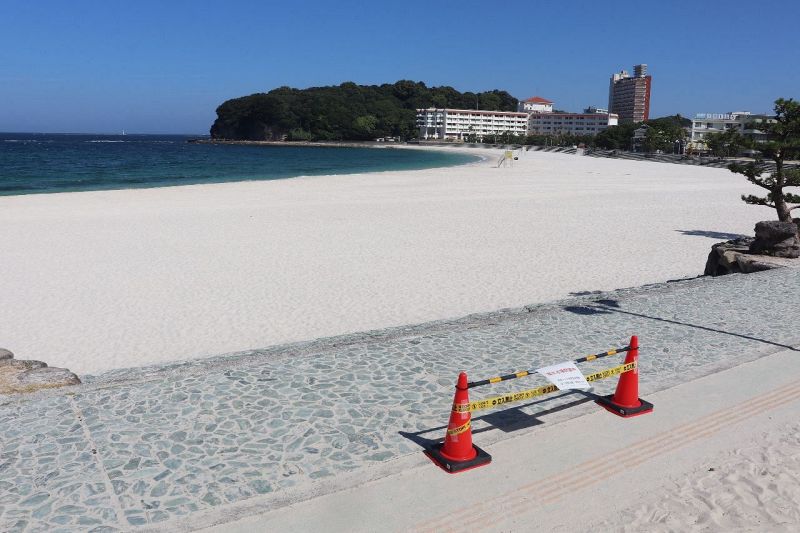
(629, 96)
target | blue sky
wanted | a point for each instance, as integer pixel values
(164, 66)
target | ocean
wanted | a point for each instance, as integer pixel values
(43, 163)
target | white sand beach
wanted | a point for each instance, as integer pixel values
(94, 281)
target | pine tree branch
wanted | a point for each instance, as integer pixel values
(764, 183)
(791, 177)
(756, 200)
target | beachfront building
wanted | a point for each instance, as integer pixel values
(535, 104)
(572, 123)
(459, 124)
(742, 121)
(629, 96)
(705, 123)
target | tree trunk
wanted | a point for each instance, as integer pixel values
(784, 214)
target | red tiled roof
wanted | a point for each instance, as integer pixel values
(538, 100)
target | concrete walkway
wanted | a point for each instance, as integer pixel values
(195, 444)
(575, 476)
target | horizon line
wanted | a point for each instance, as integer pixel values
(97, 133)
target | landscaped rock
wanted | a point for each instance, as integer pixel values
(5, 354)
(734, 256)
(21, 365)
(722, 259)
(49, 377)
(19, 375)
(775, 238)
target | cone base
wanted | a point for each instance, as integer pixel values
(607, 402)
(453, 467)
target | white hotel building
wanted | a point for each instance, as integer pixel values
(705, 123)
(742, 121)
(459, 123)
(572, 123)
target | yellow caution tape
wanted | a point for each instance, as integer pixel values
(539, 391)
(500, 400)
(458, 430)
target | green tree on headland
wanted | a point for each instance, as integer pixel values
(344, 112)
(782, 144)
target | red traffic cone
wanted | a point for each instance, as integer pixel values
(457, 453)
(625, 402)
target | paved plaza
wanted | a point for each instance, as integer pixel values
(150, 447)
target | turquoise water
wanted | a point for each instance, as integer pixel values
(41, 163)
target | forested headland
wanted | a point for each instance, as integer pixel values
(344, 112)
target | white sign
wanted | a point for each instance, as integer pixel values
(565, 376)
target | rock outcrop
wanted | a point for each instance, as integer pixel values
(776, 245)
(19, 375)
(778, 239)
(732, 257)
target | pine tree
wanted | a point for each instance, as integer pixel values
(782, 144)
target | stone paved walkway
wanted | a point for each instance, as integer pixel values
(145, 447)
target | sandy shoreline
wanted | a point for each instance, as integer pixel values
(110, 279)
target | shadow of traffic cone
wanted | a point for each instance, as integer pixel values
(457, 453)
(625, 402)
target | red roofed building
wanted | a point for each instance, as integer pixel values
(536, 104)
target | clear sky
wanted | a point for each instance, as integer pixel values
(164, 66)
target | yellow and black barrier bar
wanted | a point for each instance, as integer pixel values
(523, 373)
(539, 391)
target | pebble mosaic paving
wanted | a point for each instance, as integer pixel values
(145, 447)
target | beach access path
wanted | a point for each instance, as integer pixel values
(203, 443)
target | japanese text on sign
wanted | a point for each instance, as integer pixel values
(564, 376)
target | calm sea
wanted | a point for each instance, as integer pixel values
(41, 163)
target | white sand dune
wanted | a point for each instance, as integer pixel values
(101, 280)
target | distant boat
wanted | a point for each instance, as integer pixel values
(123, 132)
